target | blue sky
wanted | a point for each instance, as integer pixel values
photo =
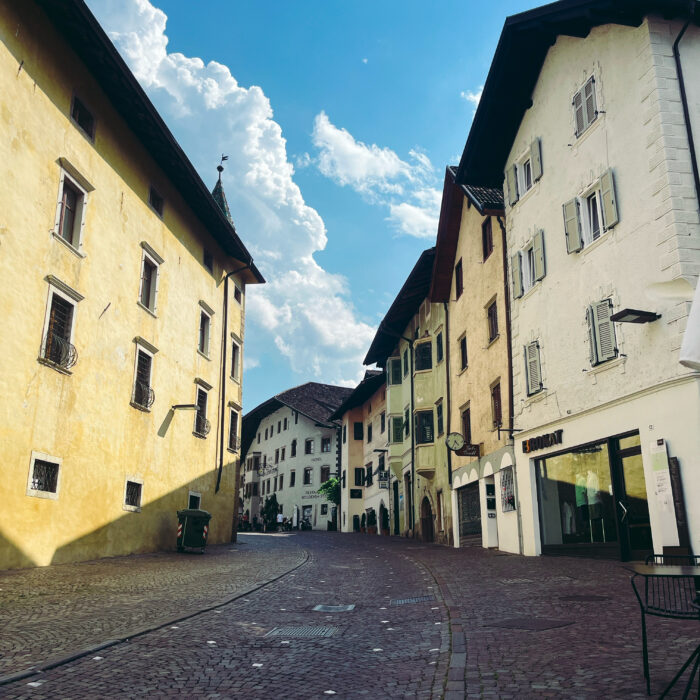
(338, 120)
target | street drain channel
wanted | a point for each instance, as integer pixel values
(584, 598)
(302, 632)
(414, 599)
(334, 608)
(530, 623)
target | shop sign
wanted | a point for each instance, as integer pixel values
(542, 441)
(355, 493)
(468, 451)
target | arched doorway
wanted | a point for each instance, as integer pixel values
(426, 520)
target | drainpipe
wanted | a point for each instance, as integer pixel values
(511, 406)
(684, 100)
(447, 389)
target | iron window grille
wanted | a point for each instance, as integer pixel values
(133, 494)
(201, 425)
(507, 490)
(58, 349)
(143, 395)
(45, 476)
(492, 315)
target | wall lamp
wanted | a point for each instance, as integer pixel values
(185, 407)
(634, 316)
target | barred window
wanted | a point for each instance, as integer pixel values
(44, 476)
(507, 490)
(132, 496)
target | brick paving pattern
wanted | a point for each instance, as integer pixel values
(499, 626)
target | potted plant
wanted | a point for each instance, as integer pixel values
(363, 522)
(372, 522)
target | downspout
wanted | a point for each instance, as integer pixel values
(511, 406)
(684, 100)
(447, 389)
(339, 466)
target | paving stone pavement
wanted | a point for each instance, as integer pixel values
(442, 648)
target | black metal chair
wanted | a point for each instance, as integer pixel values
(670, 597)
(695, 655)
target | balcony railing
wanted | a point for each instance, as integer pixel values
(143, 396)
(201, 425)
(59, 351)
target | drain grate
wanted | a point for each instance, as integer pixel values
(584, 598)
(414, 599)
(302, 632)
(335, 608)
(530, 623)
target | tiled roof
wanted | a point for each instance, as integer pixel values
(220, 199)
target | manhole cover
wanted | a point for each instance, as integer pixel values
(530, 623)
(334, 608)
(584, 598)
(414, 599)
(302, 632)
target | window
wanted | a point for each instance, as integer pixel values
(405, 362)
(358, 430)
(507, 490)
(233, 444)
(308, 447)
(258, 438)
(325, 474)
(424, 355)
(292, 478)
(533, 372)
(281, 482)
(601, 332)
(264, 461)
(459, 281)
(296, 417)
(307, 475)
(266, 431)
(369, 432)
(57, 348)
(279, 427)
(394, 371)
(359, 476)
(324, 509)
(345, 433)
(70, 212)
(255, 489)
(237, 294)
(155, 200)
(406, 422)
(277, 456)
(201, 424)
(382, 422)
(325, 444)
(274, 484)
(521, 176)
(492, 317)
(584, 104)
(438, 348)
(463, 357)
(285, 424)
(380, 464)
(204, 324)
(44, 472)
(496, 405)
(528, 265)
(524, 176)
(587, 217)
(467, 425)
(194, 500)
(424, 427)
(132, 495)
(235, 361)
(396, 429)
(294, 448)
(368, 474)
(283, 454)
(440, 426)
(82, 116)
(143, 395)
(487, 237)
(208, 260)
(149, 278)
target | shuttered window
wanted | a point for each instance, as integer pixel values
(438, 348)
(440, 423)
(424, 355)
(396, 429)
(467, 425)
(584, 104)
(601, 332)
(533, 372)
(463, 357)
(487, 237)
(496, 405)
(459, 281)
(424, 427)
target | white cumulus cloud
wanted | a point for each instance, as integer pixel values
(303, 310)
(473, 97)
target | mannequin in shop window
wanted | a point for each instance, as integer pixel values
(595, 503)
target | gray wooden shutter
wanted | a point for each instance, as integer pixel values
(604, 331)
(589, 105)
(536, 160)
(517, 276)
(511, 185)
(609, 202)
(538, 255)
(579, 117)
(533, 370)
(572, 226)
(591, 335)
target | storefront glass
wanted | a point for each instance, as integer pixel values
(576, 497)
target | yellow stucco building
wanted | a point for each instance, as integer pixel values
(122, 295)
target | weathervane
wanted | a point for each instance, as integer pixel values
(220, 166)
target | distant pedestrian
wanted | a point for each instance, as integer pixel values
(280, 521)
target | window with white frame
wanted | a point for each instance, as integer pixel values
(70, 208)
(423, 355)
(201, 424)
(57, 348)
(44, 476)
(396, 426)
(601, 332)
(393, 371)
(133, 489)
(142, 395)
(533, 368)
(308, 471)
(233, 443)
(148, 290)
(325, 444)
(236, 361)
(591, 214)
(585, 108)
(528, 265)
(424, 427)
(204, 326)
(524, 173)
(308, 447)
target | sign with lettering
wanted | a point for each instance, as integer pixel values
(468, 451)
(355, 493)
(542, 441)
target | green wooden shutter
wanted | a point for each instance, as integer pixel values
(538, 254)
(517, 276)
(572, 226)
(609, 202)
(536, 160)
(606, 348)
(591, 336)
(511, 185)
(533, 370)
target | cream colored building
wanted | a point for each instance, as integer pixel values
(410, 346)
(592, 132)
(470, 279)
(122, 297)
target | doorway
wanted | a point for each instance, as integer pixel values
(426, 521)
(396, 507)
(469, 504)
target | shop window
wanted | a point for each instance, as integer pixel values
(507, 490)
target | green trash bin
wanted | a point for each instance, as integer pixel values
(192, 528)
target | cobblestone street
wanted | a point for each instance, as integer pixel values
(485, 624)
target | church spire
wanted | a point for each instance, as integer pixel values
(218, 192)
